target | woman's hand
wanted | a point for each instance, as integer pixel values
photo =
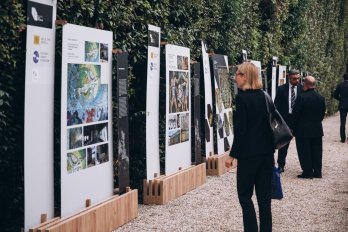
(231, 162)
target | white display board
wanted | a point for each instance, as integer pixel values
(152, 102)
(178, 113)
(258, 65)
(223, 103)
(281, 75)
(274, 84)
(38, 118)
(86, 119)
(208, 121)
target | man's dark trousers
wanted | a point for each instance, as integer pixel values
(343, 117)
(310, 152)
(282, 152)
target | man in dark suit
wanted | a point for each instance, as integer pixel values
(341, 94)
(285, 102)
(306, 123)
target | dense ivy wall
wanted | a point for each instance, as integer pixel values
(306, 34)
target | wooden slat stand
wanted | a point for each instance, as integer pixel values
(105, 216)
(216, 165)
(162, 189)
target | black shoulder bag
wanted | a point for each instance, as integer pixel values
(281, 132)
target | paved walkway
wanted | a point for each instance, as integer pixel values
(308, 205)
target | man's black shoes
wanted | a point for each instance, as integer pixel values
(318, 175)
(304, 176)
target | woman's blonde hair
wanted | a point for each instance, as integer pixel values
(251, 73)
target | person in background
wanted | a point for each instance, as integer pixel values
(253, 148)
(341, 94)
(306, 123)
(285, 101)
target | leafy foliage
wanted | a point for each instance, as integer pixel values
(306, 34)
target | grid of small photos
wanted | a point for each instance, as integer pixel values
(87, 110)
(179, 102)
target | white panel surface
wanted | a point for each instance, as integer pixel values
(152, 102)
(274, 79)
(38, 119)
(281, 75)
(86, 119)
(178, 113)
(223, 103)
(208, 121)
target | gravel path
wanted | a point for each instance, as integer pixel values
(308, 205)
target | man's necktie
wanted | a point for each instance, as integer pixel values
(292, 97)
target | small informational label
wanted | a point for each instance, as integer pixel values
(35, 75)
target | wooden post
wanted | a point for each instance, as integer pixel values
(117, 51)
(165, 188)
(88, 202)
(43, 217)
(95, 218)
(61, 22)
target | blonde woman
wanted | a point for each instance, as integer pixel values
(253, 148)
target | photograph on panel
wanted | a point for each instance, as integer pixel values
(182, 62)
(218, 99)
(185, 127)
(225, 87)
(87, 99)
(173, 121)
(184, 81)
(226, 125)
(197, 131)
(282, 78)
(178, 91)
(96, 133)
(92, 156)
(75, 138)
(104, 52)
(153, 39)
(173, 85)
(210, 115)
(76, 161)
(207, 130)
(91, 51)
(226, 144)
(103, 154)
(220, 126)
(174, 137)
(230, 117)
(122, 149)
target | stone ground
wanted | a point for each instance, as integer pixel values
(308, 205)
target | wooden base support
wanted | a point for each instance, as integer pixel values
(216, 165)
(44, 224)
(105, 216)
(163, 189)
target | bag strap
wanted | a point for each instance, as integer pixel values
(268, 100)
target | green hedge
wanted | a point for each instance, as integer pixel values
(306, 34)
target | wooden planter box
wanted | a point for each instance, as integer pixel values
(104, 217)
(162, 189)
(216, 165)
